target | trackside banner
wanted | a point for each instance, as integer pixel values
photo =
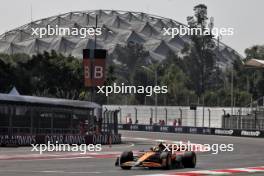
(192, 130)
(27, 140)
(94, 67)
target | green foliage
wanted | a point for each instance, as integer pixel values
(256, 52)
(176, 80)
(11, 72)
(54, 75)
(142, 78)
(252, 78)
(131, 56)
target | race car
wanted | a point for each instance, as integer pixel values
(157, 157)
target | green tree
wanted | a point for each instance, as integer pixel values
(130, 56)
(200, 59)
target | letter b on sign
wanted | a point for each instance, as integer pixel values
(87, 73)
(98, 72)
(94, 67)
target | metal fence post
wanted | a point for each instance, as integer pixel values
(115, 122)
(181, 116)
(112, 121)
(104, 121)
(166, 116)
(136, 120)
(151, 113)
(224, 119)
(108, 121)
(203, 111)
(209, 122)
(195, 120)
(120, 113)
(239, 119)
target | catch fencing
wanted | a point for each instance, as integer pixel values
(211, 117)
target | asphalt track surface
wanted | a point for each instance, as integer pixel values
(248, 152)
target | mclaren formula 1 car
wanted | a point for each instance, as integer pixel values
(157, 157)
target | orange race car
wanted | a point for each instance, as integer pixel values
(157, 157)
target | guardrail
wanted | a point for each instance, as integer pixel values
(192, 130)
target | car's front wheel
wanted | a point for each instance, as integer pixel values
(166, 162)
(125, 157)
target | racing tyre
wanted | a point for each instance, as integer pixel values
(165, 160)
(125, 157)
(189, 160)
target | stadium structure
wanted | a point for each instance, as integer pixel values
(118, 27)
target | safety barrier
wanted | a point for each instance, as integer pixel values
(192, 130)
(27, 140)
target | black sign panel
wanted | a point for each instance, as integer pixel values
(27, 140)
(192, 130)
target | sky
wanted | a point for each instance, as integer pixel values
(245, 16)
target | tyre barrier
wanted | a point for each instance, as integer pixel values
(192, 130)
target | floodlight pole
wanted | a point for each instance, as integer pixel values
(156, 84)
(232, 90)
(92, 61)
(95, 38)
(156, 95)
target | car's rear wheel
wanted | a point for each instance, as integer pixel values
(166, 162)
(189, 160)
(125, 157)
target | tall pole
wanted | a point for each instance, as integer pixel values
(95, 38)
(195, 118)
(156, 96)
(232, 91)
(156, 84)
(92, 62)
(203, 110)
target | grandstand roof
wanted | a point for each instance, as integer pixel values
(44, 101)
(118, 27)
